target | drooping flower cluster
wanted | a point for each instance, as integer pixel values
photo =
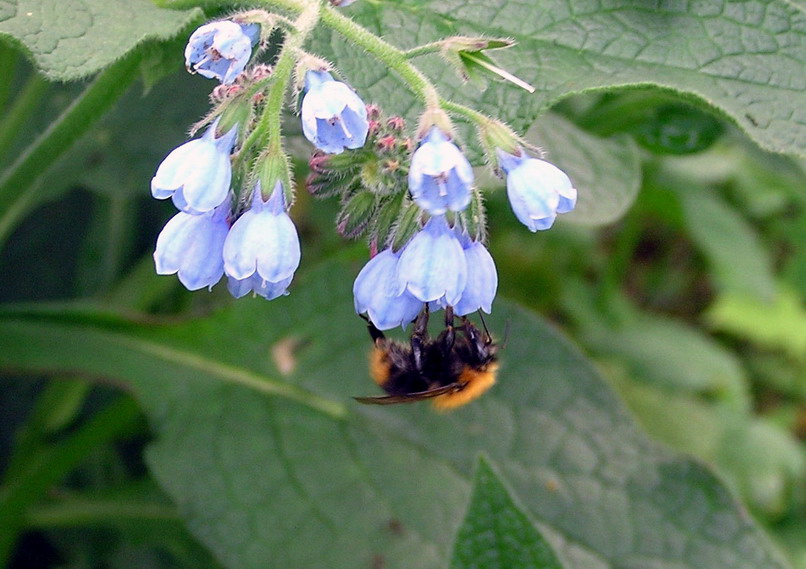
(415, 198)
(251, 239)
(439, 267)
(259, 252)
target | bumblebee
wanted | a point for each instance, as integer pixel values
(453, 369)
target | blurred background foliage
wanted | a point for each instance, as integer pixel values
(692, 305)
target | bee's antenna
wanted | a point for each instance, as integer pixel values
(484, 325)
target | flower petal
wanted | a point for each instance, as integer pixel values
(537, 190)
(262, 241)
(255, 284)
(220, 50)
(375, 294)
(192, 245)
(333, 116)
(482, 281)
(440, 177)
(433, 265)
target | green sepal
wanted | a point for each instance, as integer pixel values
(408, 223)
(356, 215)
(233, 112)
(273, 167)
(336, 164)
(322, 187)
(474, 218)
(467, 55)
(494, 135)
(385, 220)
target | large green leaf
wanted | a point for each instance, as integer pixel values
(71, 39)
(745, 59)
(282, 469)
(495, 533)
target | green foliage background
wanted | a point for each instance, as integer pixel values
(144, 426)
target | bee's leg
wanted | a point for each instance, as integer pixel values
(376, 335)
(480, 341)
(449, 316)
(421, 324)
(419, 338)
(448, 336)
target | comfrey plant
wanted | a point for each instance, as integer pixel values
(412, 194)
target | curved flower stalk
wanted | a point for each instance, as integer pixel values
(197, 174)
(333, 116)
(220, 50)
(440, 177)
(191, 246)
(537, 190)
(262, 249)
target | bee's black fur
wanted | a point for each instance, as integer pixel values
(428, 367)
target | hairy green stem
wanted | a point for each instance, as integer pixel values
(268, 128)
(426, 49)
(393, 57)
(459, 109)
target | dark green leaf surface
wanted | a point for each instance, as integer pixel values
(495, 533)
(283, 469)
(744, 58)
(71, 39)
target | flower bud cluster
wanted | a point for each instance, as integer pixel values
(415, 199)
(371, 183)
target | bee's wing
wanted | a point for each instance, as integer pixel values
(410, 397)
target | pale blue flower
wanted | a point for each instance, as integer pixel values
(375, 293)
(263, 243)
(197, 174)
(192, 247)
(440, 177)
(258, 286)
(432, 265)
(482, 280)
(220, 50)
(333, 116)
(537, 190)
